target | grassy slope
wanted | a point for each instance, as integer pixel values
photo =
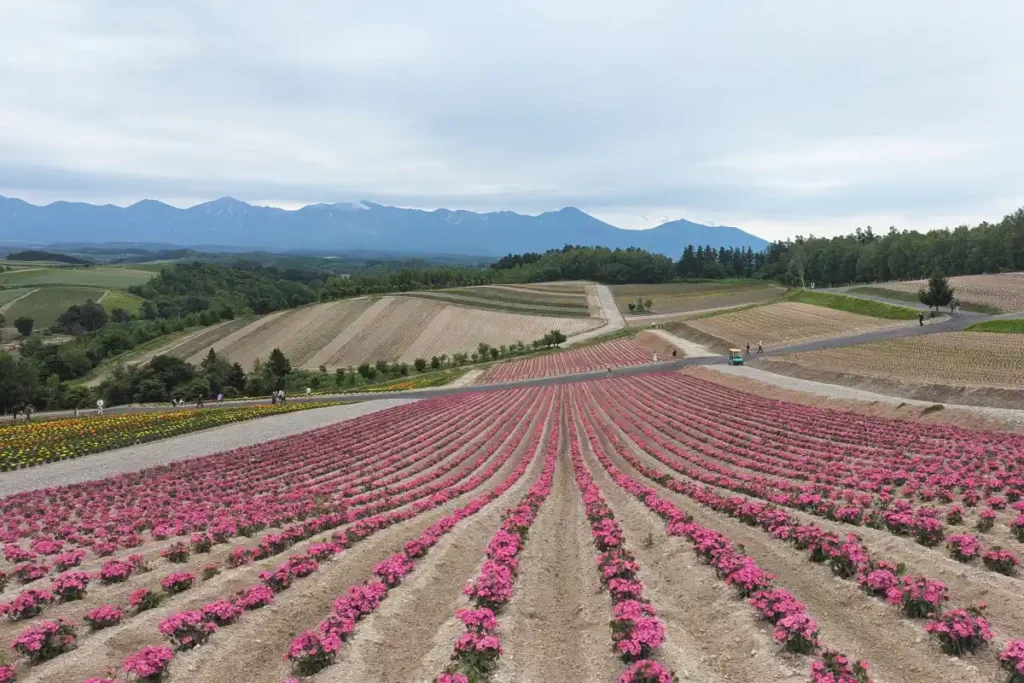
(46, 304)
(118, 299)
(1012, 326)
(874, 309)
(910, 297)
(106, 277)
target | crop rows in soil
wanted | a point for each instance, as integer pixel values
(610, 354)
(371, 550)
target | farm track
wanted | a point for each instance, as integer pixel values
(847, 618)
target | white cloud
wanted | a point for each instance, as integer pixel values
(770, 116)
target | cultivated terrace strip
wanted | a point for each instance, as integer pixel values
(794, 629)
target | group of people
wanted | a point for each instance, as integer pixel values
(760, 347)
(277, 397)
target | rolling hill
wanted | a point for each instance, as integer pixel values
(229, 222)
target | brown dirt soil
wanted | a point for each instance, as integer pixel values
(659, 345)
(785, 323)
(236, 337)
(327, 355)
(948, 416)
(992, 397)
(710, 635)
(1004, 291)
(854, 623)
(420, 613)
(686, 297)
(332, 322)
(556, 627)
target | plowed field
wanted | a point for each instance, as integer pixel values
(354, 331)
(621, 529)
(778, 325)
(1004, 292)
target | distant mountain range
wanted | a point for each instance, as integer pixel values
(341, 227)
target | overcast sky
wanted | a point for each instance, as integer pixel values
(779, 117)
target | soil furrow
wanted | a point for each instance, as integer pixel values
(556, 627)
(709, 634)
(423, 606)
(849, 620)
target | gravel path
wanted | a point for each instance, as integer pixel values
(691, 349)
(466, 379)
(609, 311)
(184, 447)
(842, 392)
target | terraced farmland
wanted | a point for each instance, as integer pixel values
(684, 297)
(352, 331)
(623, 529)
(564, 301)
(1001, 293)
(777, 325)
(976, 368)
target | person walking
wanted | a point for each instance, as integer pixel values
(760, 348)
(748, 348)
(920, 319)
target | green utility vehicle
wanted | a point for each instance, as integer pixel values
(735, 357)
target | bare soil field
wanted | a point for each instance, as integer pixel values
(896, 410)
(367, 329)
(1004, 291)
(775, 325)
(513, 301)
(457, 329)
(684, 297)
(591, 520)
(970, 368)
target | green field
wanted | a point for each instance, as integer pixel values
(47, 303)
(118, 299)
(11, 294)
(874, 309)
(105, 277)
(1010, 326)
(910, 297)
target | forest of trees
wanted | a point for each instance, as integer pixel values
(866, 256)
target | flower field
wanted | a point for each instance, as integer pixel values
(25, 444)
(630, 529)
(610, 354)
